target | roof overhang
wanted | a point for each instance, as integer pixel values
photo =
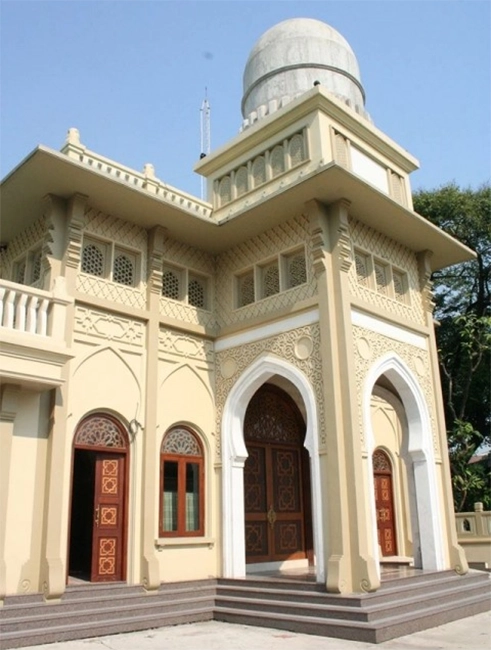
(46, 171)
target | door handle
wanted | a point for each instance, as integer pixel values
(271, 516)
(96, 518)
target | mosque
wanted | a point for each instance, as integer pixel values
(201, 389)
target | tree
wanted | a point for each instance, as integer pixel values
(463, 309)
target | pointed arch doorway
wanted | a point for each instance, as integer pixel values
(277, 499)
(97, 546)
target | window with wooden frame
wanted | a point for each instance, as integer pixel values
(181, 484)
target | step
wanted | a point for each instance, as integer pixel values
(136, 609)
(19, 639)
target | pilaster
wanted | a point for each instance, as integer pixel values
(150, 575)
(350, 561)
(54, 210)
(55, 534)
(9, 405)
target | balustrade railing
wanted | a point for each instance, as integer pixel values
(32, 311)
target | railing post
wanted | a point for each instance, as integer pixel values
(31, 314)
(42, 317)
(2, 294)
(8, 316)
(20, 313)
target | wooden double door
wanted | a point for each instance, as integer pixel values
(98, 513)
(276, 480)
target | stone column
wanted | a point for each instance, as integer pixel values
(150, 570)
(350, 560)
(9, 404)
(455, 552)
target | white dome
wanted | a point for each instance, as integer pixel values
(287, 60)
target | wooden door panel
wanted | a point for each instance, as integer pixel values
(385, 514)
(108, 525)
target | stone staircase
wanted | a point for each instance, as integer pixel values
(401, 606)
(87, 611)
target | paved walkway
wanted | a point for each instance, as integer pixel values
(472, 633)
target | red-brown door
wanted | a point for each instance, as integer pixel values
(108, 524)
(384, 503)
(274, 517)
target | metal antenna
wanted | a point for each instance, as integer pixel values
(205, 136)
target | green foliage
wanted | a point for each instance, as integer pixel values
(463, 308)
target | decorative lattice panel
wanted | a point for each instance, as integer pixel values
(100, 431)
(296, 269)
(28, 239)
(287, 236)
(102, 288)
(296, 150)
(381, 461)
(259, 171)
(241, 186)
(197, 292)
(93, 259)
(270, 280)
(411, 308)
(277, 161)
(171, 283)
(272, 418)
(180, 441)
(246, 289)
(225, 190)
(124, 269)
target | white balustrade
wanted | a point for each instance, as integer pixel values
(32, 311)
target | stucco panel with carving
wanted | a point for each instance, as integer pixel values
(300, 347)
(370, 346)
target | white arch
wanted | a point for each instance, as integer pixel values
(234, 454)
(417, 451)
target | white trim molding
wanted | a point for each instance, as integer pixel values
(389, 330)
(272, 329)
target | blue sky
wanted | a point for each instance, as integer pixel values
(131, 76)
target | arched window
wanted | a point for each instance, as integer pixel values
(181, 485)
